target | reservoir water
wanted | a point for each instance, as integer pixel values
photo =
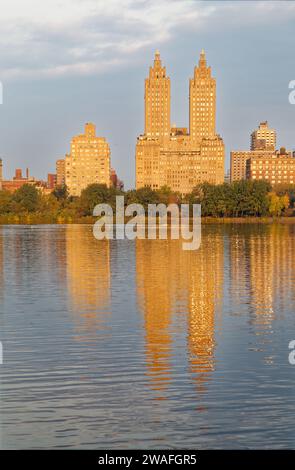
(139, 344)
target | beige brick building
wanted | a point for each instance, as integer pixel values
(238, 162)
(279, 168)
(88, 161)
(262, 161)
(263, 138)
(172, 156)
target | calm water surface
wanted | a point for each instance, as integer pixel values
(139, 344)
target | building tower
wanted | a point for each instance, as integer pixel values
(202, 102)
(171, 156)
(88, 161)
(263, 138)
(60, 172)
(157, 101)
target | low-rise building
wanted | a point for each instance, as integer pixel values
(279, 168)
(115, 181)
(238, 162)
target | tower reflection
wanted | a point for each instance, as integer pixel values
(88, 275)
(1, 263)
(205, 294)
(179, 291)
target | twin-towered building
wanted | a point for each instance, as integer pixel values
(172, 156)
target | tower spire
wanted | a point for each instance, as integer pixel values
(202, 60)
(157, 60)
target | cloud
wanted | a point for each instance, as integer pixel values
(71, 37)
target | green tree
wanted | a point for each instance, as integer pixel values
(61, 192)
(5, 202)
(142, 196)
(26, 199)
(96, 194)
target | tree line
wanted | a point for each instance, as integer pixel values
(237, 199)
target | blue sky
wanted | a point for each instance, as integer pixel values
(66, 62)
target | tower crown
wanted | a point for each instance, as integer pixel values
(202, 60)
(157, 60)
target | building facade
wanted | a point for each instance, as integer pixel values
(263, 162)
(263, 138)
(60, 172)
(172, 156)
(88, 161)
(19, 180)
(115, 181)
(238, 162)
(51, 180)
(277, 169)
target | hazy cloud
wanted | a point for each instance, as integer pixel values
(87, 36)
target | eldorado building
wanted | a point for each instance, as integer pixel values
(172, 156)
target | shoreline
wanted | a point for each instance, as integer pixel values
(35, 220)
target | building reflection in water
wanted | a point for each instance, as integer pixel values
(88, 275)
(205, 296)
(272, 270)
(169, 281)
(262, 265)
(1, 263)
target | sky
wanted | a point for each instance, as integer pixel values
(67, 62)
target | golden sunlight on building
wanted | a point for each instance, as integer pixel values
(172, 156)
(263, 162)
(88, 161)
(263, 138)
(60, 172)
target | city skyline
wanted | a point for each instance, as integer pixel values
(46, 102)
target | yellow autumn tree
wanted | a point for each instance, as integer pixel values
(278, 204)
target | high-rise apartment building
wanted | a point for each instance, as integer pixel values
(263, 138)
(60, 172)
(157, 101)
(172, 156)
(88, 161)
(263, 143)
(202, 102)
